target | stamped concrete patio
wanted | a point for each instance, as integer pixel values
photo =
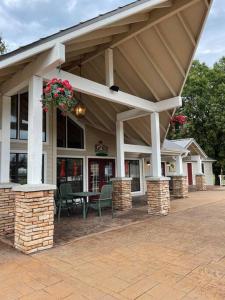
(181, 256)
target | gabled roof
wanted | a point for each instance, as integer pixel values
(172, 146)
(153, 41)
(188, 143)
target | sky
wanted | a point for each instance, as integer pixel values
(24, 21)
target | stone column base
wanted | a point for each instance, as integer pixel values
(180, 186)
(121, 195)
(34, 217)
(158, 196)
(200, 182)
(7, 209)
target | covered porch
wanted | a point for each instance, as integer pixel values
(120, 66)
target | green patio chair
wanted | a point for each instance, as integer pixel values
(105, 200)
(64, 200)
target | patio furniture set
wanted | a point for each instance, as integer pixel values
(66, 199)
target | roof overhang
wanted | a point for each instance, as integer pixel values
(153, 44)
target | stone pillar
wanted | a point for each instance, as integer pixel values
(180, 186)
(34, 217)
(121, 196)
(158, 196)
(200, 182)
(7, 209)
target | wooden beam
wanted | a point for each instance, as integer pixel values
(171, 53)
(187, 29)
(44, 63)
(109, 67)
(155, 66)
(131, 114)
(133, 19)
(82, 45)
(169, 104)
(95, 89)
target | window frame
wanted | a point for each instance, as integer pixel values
(45, 160)
(84, 166)
(24, 141)
(75, 120)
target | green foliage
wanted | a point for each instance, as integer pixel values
(3, 47)
(204, 105)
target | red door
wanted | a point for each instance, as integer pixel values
(190, 177)
(100, 172)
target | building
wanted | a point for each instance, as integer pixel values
(135, 48)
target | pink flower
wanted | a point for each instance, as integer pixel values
(61, 90)
(56, 95)
(45, 109)
(47, 89)
(67, 84)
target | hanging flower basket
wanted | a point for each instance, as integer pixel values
(60, 94)
(178, 121)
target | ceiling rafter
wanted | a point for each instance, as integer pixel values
(133, 19)
(207, 3)
(155, 66)
(171, 53)
(187, 29)
(82, 45)
(137, 28)
(132, 65)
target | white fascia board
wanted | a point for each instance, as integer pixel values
(0, 135)
(101, 91)
(169, 104)
(80, 32)
(44, 63)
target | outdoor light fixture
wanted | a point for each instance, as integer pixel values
(148, 163)
(80, 110)
(114, 88)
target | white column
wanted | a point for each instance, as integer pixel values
(120, 149)
(5, 139)
(199, 165)
(179, 165)
(109, 71)
(35, 121)
(156, 155)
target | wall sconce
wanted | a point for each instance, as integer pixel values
(148, 163)
(114, 88)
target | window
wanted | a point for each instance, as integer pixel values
(203, 168)
(18, 168)
(70, 170)
(19, 118)
(69, 134)
(132, 169)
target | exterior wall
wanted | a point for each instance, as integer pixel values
(208, 171)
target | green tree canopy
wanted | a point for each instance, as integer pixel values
(204, 105)
(3, 47)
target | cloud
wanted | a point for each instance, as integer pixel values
(24, 21)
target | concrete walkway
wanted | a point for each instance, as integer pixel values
(181, 256)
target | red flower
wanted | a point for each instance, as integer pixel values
(47, 89)
(56, 95)
(61, 90)
(45, 109)
(181, 119)
(67, 84)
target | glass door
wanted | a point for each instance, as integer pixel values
(100, 172)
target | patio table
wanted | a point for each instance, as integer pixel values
(84, 196)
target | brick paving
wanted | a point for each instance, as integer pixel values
(181, 256)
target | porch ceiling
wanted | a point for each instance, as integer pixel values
(153, 50)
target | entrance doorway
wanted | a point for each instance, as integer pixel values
(190, 176)
(100, 172)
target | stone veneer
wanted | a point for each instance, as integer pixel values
(180, 186)
(121, 196)
(200, 182)
(7, 209)
(158, 196)
(34, 217)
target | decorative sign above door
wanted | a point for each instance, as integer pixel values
(101, 149)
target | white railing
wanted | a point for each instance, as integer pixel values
(222, 179)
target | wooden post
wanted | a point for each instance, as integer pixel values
(35, 121)
(156, 155)
(5, 140)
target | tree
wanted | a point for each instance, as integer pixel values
(204, 103)
(3, 47)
